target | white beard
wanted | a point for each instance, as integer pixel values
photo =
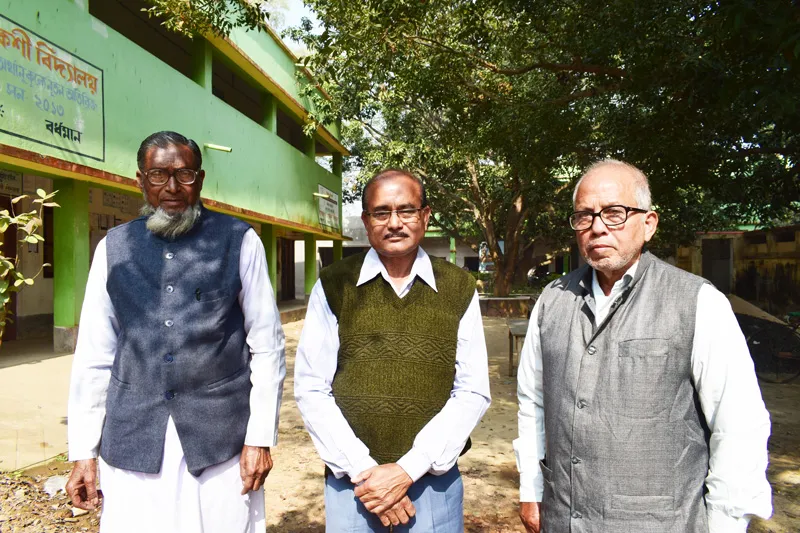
(169, 226)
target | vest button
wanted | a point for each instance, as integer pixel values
(169, 395)
(170, 289)
(169, 358)
(169, 255)
(575, 460)
(582, 404)
(576, 514)
(592, 350)
(168, 323)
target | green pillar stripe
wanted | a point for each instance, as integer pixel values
(310, 263)
(453, 250)
(336, 168)
(336, 165)
(202, 62)
(270, 120)
(337, 250)
(70, 250)
(311, 147)
(271, 248)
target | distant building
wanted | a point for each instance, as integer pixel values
(762, 266)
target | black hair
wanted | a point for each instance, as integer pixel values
(390, 173)
(162, 139)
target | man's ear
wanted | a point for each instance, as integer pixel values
(650, 225)
(140, 180)
(426, 216)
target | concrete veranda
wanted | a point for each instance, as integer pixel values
(34, 384)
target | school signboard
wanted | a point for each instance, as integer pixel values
(48, 95)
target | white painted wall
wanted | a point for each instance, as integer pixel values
(440, 247)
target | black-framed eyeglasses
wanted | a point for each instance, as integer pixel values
(613, 215)
(410, 214)
(160, 176)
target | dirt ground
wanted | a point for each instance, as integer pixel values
(294, 488)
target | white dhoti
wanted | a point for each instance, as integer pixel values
(174, 501)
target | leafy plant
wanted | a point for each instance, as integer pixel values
(203, 17)
(26, 228)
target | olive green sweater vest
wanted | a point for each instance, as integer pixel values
(397, 356)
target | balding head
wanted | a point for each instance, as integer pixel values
(611, 246)
(640, 181)
(390, 173)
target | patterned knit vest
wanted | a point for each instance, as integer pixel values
(397, 356)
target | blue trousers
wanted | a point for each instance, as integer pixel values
(438, 500)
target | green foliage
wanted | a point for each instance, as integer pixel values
(204, 17)
(499, 104)
(26, 226)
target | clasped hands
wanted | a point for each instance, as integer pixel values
(382, 489)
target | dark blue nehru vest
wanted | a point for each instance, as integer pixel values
(181, 349)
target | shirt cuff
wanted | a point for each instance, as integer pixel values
(259, 437)
(415, 463)
(365, 464)
(82, 443)
(82, 453)
(531, 488)
(719, 522)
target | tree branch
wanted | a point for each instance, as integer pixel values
(765, 151)
(442, 189)
(586, 93)
(516, 71)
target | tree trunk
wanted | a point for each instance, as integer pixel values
(503, 278)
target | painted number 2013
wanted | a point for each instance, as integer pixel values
(50, 107)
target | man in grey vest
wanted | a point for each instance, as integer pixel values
(639, 407)
(179, 367)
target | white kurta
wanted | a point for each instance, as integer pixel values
(437, 446)
(173, 500)
(722, 372)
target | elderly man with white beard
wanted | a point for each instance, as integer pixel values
(179, 368)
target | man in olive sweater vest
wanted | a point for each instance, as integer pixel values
(391, 374)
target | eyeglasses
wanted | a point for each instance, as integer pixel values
(405, 215)
(160, 176)
(613, 215)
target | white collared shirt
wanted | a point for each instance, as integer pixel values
(730, 398)
(438, 445)
(97, 344)
(601, 301)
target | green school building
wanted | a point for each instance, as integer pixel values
(83, 82)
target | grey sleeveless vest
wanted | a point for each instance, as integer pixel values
(627, 445)
(181, 348)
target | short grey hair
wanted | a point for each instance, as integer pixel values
(643, 198)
